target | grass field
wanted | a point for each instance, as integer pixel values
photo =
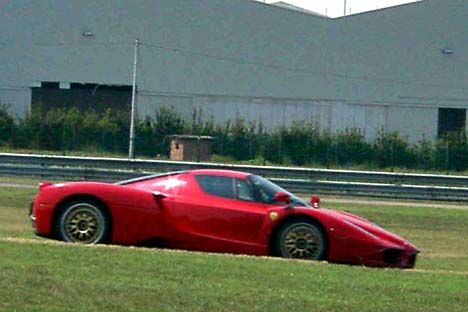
(43, 275)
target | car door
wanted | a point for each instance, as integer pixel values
(224, 217)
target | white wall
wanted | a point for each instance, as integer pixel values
(415, 123)
(331, 116)
(241, 57)
(17, 100)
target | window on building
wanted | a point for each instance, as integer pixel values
(84, 96)
(50, 85)
(451, 120)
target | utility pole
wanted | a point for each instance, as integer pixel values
(131, 146)
(344, 8)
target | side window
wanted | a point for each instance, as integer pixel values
(217, 185)
(244, 190)
(261, 192)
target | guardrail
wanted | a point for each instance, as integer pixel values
(304, 180)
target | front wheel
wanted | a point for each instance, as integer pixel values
(83, 221)
(301, 240)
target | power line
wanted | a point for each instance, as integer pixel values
(243, 61)
(66, 44)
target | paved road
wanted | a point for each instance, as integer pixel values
(3, 184)
(356, 201)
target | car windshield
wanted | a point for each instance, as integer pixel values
(268, 189)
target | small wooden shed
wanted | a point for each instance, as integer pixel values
(190, 148)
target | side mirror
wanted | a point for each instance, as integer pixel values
(282, 197)
(315, 201)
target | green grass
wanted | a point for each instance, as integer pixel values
(440, 233)
(41, 275)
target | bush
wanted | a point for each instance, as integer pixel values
(424, 151)
(300, 144)
(7, 126)
(351, 148)
(390, 150)
(452, 152)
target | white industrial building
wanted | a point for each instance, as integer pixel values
(399, 69)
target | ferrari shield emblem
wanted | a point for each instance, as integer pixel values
(273, 216)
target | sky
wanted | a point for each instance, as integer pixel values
(335, 8)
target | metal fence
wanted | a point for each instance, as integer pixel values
(301, 180)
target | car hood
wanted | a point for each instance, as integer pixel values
(348, 224)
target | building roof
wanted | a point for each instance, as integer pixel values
(289, 6)
(239, 49)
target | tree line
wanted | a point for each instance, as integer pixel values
(300, 144)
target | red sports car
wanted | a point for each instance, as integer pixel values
(216, 211)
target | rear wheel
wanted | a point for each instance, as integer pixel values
(83, 221)
(301, 239)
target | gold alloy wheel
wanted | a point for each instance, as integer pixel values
(83, 223)
(303, 241)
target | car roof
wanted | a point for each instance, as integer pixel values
(149, 177)
(215, 172)
(220, 172)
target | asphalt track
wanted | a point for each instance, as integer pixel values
(367, 201)
(3, 184)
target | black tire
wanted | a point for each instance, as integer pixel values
(83, 221)
(301, 239)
